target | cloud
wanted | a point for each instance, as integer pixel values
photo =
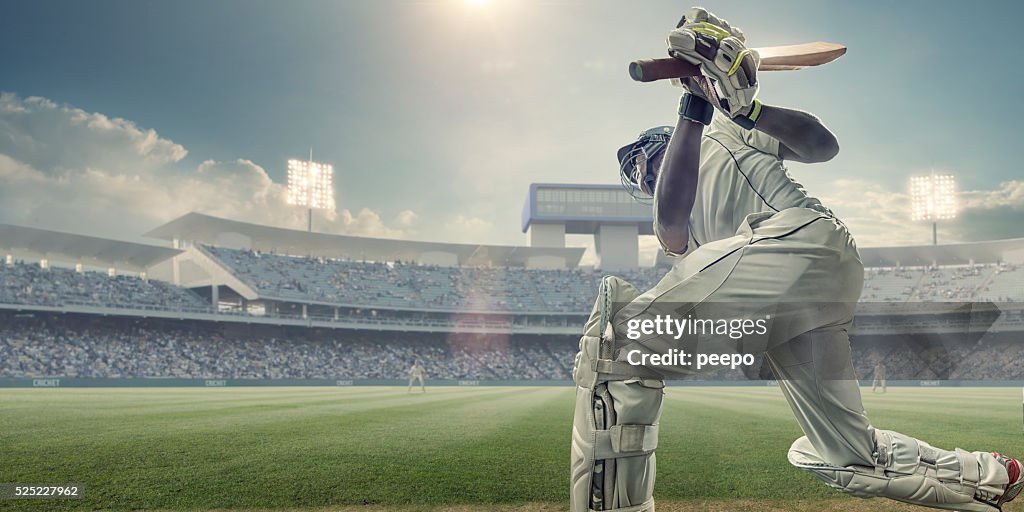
(990, 214)
(879, 216)
(406, 218)
(365, 223)
(65, 168)
(874, 214)
(1009, 195)
(468, 223)
(55, 139)
(12, 170)
(469, 229)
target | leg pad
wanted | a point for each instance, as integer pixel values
(906, 470)
(615, 433)
(615, 425)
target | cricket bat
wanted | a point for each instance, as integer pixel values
(773, 58)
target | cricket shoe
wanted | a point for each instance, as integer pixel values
(1015, 473)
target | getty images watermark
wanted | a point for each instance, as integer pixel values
(669, 326)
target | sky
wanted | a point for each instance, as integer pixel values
(117, 116)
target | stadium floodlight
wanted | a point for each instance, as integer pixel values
(933, 198)
(311, 184)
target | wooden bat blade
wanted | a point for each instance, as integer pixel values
(779, 67)
(806, 54)
(773, 58)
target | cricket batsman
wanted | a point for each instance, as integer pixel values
(756, 246)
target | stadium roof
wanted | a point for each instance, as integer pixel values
(210, 230)
(946, 254)
(87, 250)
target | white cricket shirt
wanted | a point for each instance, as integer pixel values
(740, 173)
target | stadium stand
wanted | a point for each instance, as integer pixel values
(22, 283)
(110, 347)
(47, 345)
(403, 285)
(516, 290)
(889, 284)
(931, 357)
(39, 344)
(462, 289)
(1006, 284)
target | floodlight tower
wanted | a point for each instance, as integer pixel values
(311, 184)
(933, 198)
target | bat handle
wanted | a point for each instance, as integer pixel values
(649, 70)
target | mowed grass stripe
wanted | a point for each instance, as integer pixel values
(47, 421)
(457, 449)
(422, 447)
(53, 425)
(313, 459)
(524, 459)
(729, 443)
(971, 422)
(54, 438)
(113, 399)
(979, 420)
(770, 404)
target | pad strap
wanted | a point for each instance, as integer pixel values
(625, 441)
(970, 473)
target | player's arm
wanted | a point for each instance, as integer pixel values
(719, 49)
(802, 136)
(676, 188)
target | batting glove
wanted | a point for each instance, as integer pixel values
(729, 68)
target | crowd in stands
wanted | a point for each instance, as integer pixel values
(45, 345)
(83, 346)
(518, 290)
(997, 356)
(95, 347)
(23, 283)
(434, 288)
(406, 285)
(1000, 282)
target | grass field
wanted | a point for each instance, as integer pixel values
(451, 449)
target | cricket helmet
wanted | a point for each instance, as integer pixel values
(639, 180)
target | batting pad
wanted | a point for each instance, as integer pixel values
(615, 424)
(910, 471)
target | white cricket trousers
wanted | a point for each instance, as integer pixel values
(800, 269)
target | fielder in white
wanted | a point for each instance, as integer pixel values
(417, 372)
(879, 377)
(755, 245)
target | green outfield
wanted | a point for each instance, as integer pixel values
(453, 449)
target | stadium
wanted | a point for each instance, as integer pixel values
(304, 333)
(219, 295)
(399, 256)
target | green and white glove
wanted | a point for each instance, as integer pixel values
(729, 68)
